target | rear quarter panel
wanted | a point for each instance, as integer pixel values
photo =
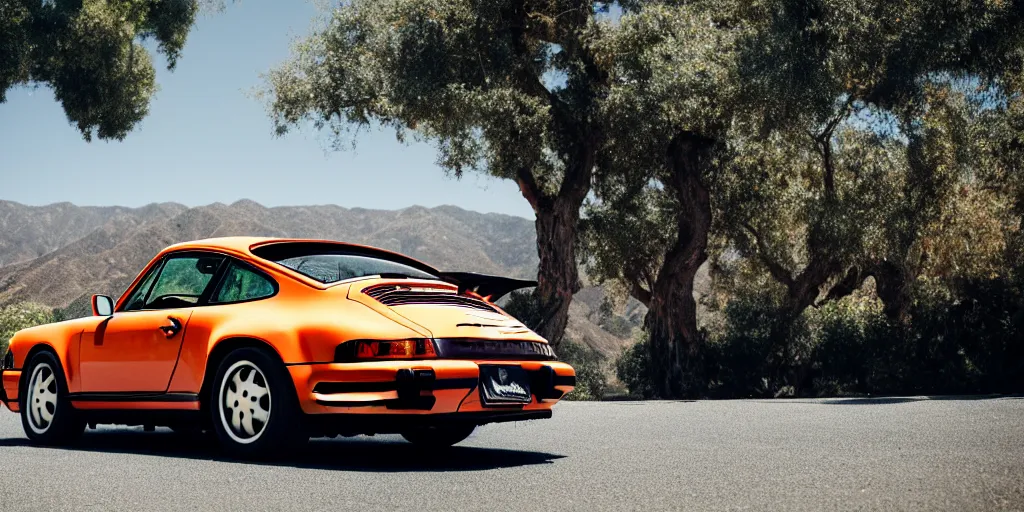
(301, 324)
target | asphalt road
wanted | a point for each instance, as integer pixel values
(881, 454)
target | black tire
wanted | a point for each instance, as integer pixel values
(438, 437)
(46, 412)
(252, 437)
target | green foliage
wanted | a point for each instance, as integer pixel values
(16, 317)
(633, 368)
(590, 366)
(467, 75)
(673, 68)
(511, 89)
(90, 53)
(965, 339)
(525, 307)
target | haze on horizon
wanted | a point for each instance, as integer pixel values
(208, 140)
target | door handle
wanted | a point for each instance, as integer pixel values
(171, 330)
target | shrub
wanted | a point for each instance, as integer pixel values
(633, 368)
(760, 352)
(16, 317)
(591, 380)
(965, 337)
(524, 306)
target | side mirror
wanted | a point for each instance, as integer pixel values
(102, 305)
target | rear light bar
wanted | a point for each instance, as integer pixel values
(369, 350)
(472, 348)
(447, 348)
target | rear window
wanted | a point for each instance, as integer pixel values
(330, 263)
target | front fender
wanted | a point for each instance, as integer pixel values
(62, 338)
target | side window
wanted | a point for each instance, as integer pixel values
(241, 284)
(183, 281)
(138, 298)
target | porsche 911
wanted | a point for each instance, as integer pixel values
(268, 342)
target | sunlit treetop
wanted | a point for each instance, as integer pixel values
(498, 86)
(91, 53)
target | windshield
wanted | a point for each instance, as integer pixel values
(330, 268)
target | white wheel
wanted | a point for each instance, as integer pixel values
(46, 414)
(42, 398)
(245, 402)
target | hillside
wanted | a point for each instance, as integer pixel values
(60, 254)
(28, 232)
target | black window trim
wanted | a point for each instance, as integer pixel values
(207, 292)
(276, 251)
(157, 269)
(223, 272)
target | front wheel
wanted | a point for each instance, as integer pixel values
(438, 437)
(254, 406)
(46, 412)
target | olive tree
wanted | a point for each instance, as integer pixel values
(672, 107)
(512, 89)
(90, 53)
(822, 139)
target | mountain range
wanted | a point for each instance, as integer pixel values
(60, 254)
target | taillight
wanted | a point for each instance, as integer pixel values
(395, 349)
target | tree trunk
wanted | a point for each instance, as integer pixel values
(806, 287)
(892, 284)
(557, 276)
(672, 317)
(557, 226)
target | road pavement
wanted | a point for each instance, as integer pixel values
(839, 454)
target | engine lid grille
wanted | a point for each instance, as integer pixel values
(398, 295)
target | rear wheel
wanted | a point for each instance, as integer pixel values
(438, 437)
(46, 412)
(254, 406)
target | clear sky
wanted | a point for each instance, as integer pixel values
(207, 139)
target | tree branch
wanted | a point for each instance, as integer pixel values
(850, 283)
(530, 189)
(641, 294)
(824, 141)
(774, 268)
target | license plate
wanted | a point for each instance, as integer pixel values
(504, 385)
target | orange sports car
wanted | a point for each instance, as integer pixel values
(269, 342)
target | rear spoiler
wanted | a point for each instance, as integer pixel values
(490, 288)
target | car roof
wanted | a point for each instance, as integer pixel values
(245, 244)
(232, 243)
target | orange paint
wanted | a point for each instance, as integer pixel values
(303, 323)
(130, 353)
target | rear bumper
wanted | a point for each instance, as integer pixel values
(413, 388)
(9, 380)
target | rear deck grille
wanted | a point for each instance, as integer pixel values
(392, 295)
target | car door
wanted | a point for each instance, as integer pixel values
(136, 349)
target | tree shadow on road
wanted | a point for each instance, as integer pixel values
(351, 454)
(888, 400)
